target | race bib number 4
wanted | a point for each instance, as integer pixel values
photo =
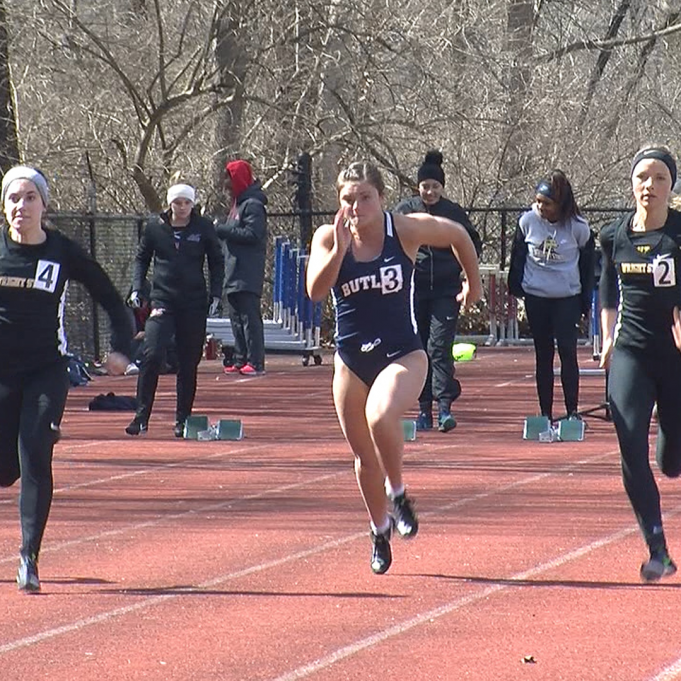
(46, 275)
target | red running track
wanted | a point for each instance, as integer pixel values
(247, 561)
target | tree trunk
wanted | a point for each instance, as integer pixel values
(9, 147)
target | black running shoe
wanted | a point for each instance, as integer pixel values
(179, 429)
(27, 575)
(381, 556)
(136, 427)
(406, 522)
(660, 565)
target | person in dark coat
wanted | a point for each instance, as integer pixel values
(179, 242)
(437, 283)
(244, 234)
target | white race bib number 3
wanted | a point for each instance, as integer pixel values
(664, 271)
(46, 275)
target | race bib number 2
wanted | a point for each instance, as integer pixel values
(46, 275)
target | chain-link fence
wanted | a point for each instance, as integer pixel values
(112, 239)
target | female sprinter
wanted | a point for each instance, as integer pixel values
(366, 259)
(640, 295)
(35, 264)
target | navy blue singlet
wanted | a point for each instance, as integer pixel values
(374, 302)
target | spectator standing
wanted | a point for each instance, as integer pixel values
(437, 284)
(244, 234)
(552, 268)
(179, 242)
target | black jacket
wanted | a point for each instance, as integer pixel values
(178, 281)
(437, 270)
(245, 239)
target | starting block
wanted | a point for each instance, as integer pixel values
(409, 430)
(194, 425)
(570, 430)
(226, 429)
(536, 428)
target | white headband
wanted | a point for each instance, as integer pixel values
(181, 191)
(26, 173)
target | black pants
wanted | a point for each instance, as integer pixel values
(436, 319)
(555, 319)
(249, 334)
(189, 329)
(635, 382)
(31, 409)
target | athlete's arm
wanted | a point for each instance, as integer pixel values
(329, 245)
(85, 269)
(419, 229)
(608, 293)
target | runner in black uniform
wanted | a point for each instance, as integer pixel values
(367, 258)
(35, 264)
(640, 295)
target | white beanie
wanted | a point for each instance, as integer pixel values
(26, 173)
(181, 191)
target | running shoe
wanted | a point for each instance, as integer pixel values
(250, 370)
(424, 421)
(136, 427)
(660, 565)
(178, 430)
(381, 555)
(232, 369)
(445, 421)
(406, 522)
(27, 575)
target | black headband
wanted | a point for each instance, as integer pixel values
(658, 155)
(544, 188)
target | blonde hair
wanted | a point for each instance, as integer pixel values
(361, 171)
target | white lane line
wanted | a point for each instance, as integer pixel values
(58, 546)
(669, 673)
(427, 617)
(151, 601)
(60, 465)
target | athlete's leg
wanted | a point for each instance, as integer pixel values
(42, 407)
(254, 330)
(392, 393)
(444, 316)
(422, 313)
(158, 331)
(631, 392)
(539, 318)
(566, 314)
(190, 334)
(349, 396)
(668, 451)
(237, 323)
(10, 410)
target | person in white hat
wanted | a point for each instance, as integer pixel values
(179, 242)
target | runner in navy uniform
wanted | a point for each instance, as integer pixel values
(35, 264)
(366, 257)
(640, 295)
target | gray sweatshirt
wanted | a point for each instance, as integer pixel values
(552, 265)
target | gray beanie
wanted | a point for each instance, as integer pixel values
(26, 173)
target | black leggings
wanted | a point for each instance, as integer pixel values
(635, 382)
(189, 327)
(31, 408)
(555, 319)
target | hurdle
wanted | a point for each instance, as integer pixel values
(295, 326)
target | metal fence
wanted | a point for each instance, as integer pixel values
(112, 240)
